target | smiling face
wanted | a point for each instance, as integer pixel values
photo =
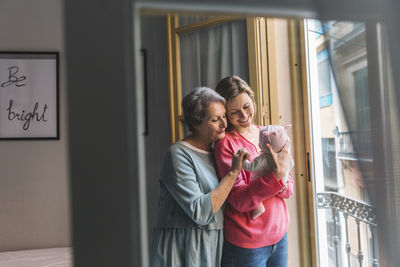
(240, 111)
(214, 123)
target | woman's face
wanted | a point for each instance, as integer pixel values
(214, 123)
(240, 111)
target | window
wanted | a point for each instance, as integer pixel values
(324, 79)
(362, 98)
(339, 111)
(329, 164)
(203, 50)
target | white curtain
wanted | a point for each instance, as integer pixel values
(213, 53)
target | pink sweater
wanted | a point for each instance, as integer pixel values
(239, 227)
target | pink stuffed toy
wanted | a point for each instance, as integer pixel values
(276, 136)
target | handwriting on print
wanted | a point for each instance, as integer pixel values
(13, 79)
(27, 117)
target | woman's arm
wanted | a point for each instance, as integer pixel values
(220, 193)
(282, 160)
(179, 177)
(288, 191)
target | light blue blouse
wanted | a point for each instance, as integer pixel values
(187, 232)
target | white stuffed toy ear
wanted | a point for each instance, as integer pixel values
(287, 126)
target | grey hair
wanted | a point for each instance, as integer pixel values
(195, 103)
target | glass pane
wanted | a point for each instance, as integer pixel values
(341, 140)
(213, 53)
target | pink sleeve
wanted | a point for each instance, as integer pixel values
(288, 192)
(245, 195)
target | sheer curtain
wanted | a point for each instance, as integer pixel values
(349, 57)
(371, 107)
(209, 54)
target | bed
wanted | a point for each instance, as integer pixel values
(49, 257)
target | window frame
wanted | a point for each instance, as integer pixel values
(263, 81)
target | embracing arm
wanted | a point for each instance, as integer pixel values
(181, 181)
(220, 193)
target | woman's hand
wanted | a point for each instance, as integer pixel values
(220, 193)
(282, 159)
(237, 160)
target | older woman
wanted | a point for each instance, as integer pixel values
(249, 241)
(190, 220)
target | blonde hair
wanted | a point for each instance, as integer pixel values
(231, 86)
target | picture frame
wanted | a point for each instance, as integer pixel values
(29, 96)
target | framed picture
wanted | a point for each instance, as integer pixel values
(29, 101)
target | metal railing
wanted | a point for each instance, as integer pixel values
(361, 212)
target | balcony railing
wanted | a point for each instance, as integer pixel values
(362, 213)
(355, 145)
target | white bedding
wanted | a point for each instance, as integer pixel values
(49, 257)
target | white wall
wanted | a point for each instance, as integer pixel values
(34, 189)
